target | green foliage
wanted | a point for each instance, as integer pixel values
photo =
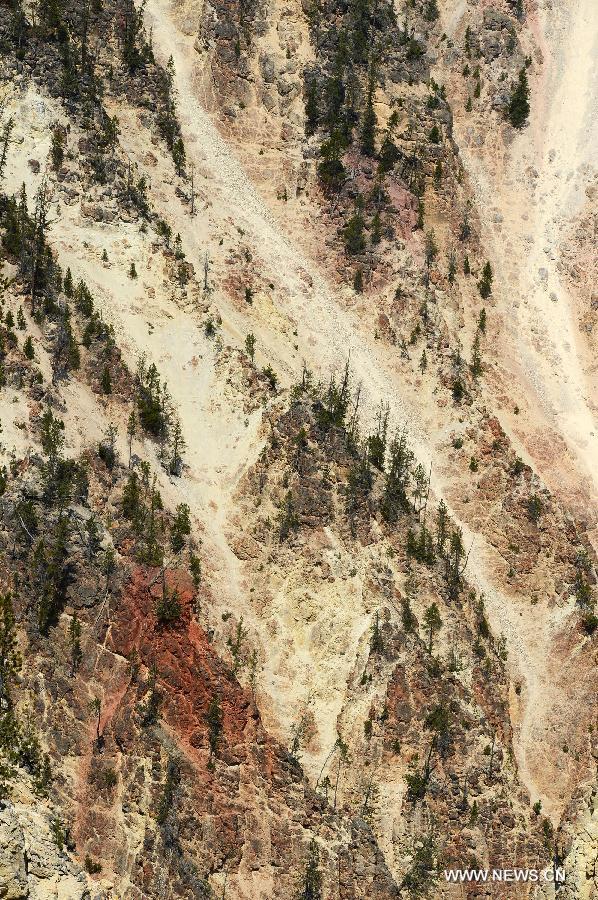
(50, 569)
(28, 348)
(180, 528)
(485, 283)
(91, 866)
(235, 645)
(168, 607)
(354, 234)
(153, 401)
(368, 129)
(10, 658)
(534, 508)
(408, 617)
(312, 113)
(179, 155)
(311, 885)
(250, 346)
(432, 622)
(458, 390)
(394, 498)
(288, 520)
(214, 721)
(519, 108)
(167, 799)
(57, 147)
(131, 499)
(376, 642)
(148, 711)
(420, 546)
(331, 170)
(431, 12)
(106, 381)
(422, 871)
(195, 570)
(75, 643)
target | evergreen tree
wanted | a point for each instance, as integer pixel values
(131, 431)
(368, 128)
(433, 623)
(28, 348)
(106, 381)
(452, 267)
(67, 284)
(476, 357)
(180, 528)
(485, 283)
(179, 156)
(394, 499)
(353, 234)
(214, 720)
(75, 643)
(10, 658)
(519, 108)
(57, 148)
(250, 346)
(177, 445)
(311, 107)
(311, 887)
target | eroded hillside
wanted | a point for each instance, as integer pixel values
(298, 497)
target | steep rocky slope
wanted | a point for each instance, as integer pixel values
(298, 503)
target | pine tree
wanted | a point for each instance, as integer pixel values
(177, 445)
(368, 128)
(250, 346)
(67, 284)
(476, 357)
(214, 720)
(452, 267)
(485, 283)
(180, 528)
(394, 499)
(57, 148)
(5, 141)
(519, 108)
(131, 431)
(75, 643)
(311, 887)
(10, 658)
(353, 234)
(106, 381)
(433, 623)
(311, 107)
(28, 348)
(179, 156)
